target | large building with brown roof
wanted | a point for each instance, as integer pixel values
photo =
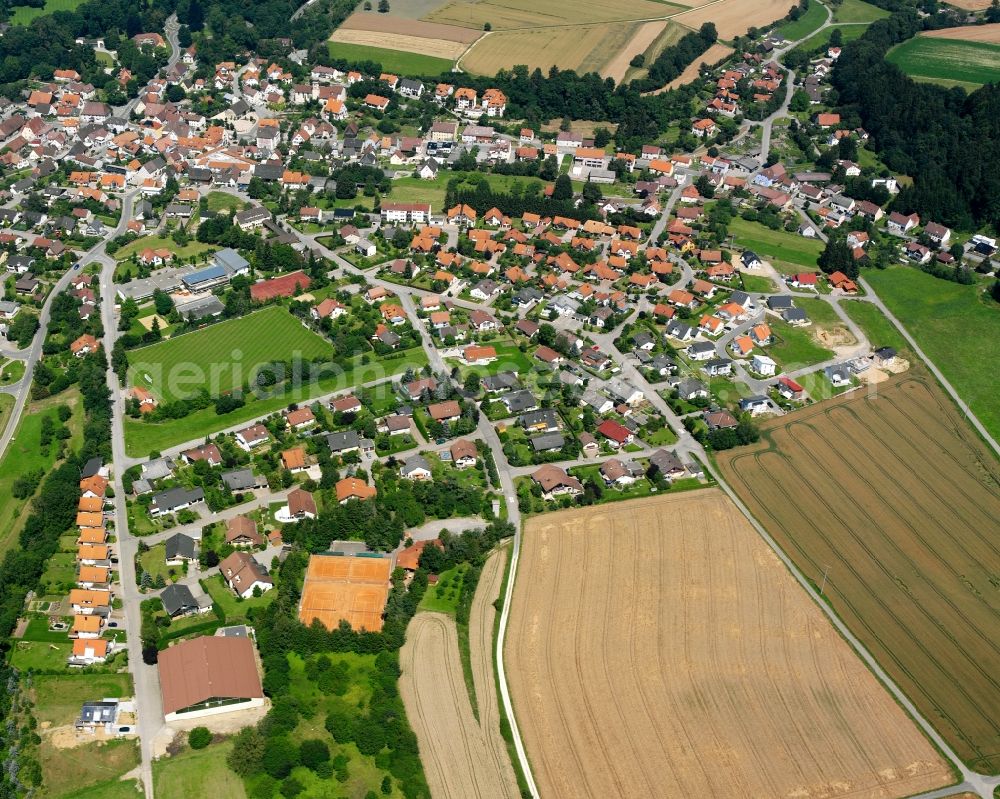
(209, 675)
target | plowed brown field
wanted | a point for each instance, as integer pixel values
(896, 496)
(660, 649)
(463, 758)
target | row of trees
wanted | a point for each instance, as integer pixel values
(674, 59)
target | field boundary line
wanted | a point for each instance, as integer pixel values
(855, 643)
(938, 375)
(861, 620)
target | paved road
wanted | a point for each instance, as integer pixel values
(147, 687)
(170, 29)
(33, 354)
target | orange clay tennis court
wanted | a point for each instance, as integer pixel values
(345, 588)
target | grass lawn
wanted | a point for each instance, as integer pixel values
(848, 33)
(640, 488)
(776, 244)
(444, 596)
(6, 403)
(949, 60)
(69, 770)
(392, 60)
(12, 372)
(858, 11)
(879, 330)
(193, 247)
(58, 698)
(509, 358)
(757, 284)
(819, 387)
(220, 201)
(235, 608)
(956, 326)
(201, 772)
(820, 311)
(22, 15)
(416, 190)
(727, 391)
(141, 438)
(412, 189)
(60, 572)
(795, 347)
(662, 437)
(40, 655)
(24, 455)
(112, 789)
(154, 562)
(38, 630)
(223, 356)
(804, 25)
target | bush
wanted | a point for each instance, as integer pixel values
(313, 752)
(199, 738)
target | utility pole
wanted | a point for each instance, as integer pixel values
(826, 571)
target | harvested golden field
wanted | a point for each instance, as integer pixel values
(735, 17)
(639, 43)
(389, 23)
(533, 14)
(898, 499)
(713, 55)
(462, 757)
(971, 5)
(481, 625)
(660, 648)
(969, 33)
(439, 48)
(585, 48)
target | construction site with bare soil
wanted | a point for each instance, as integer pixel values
(660, 648)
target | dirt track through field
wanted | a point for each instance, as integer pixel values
(462, 759)
(642, 39)
(969, 33)
(659, 648)
(897, 499)
(735, 17)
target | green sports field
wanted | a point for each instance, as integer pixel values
(223, 356)
(397, 61)
(949, 61)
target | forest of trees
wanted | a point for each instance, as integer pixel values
(946, 140)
